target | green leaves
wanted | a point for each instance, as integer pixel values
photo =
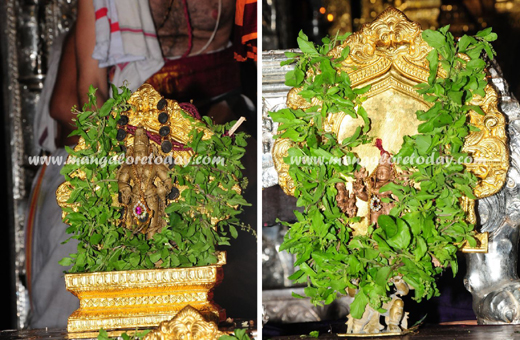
(433, 59)
(357, 307)
(328, 74)
(427, 217)
(294, 77)
(191, 237)
(435, 39)
(396, 232)
(314, 334)
(306, 46)
(103, 335)
(487, 34)
(240, 334)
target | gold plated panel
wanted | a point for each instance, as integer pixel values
(389, 125)
(390, 55)
(142, 298)
(481, 247)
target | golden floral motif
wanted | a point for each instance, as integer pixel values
(390, 55)
(488, 146)
(281, 148)
(390, 41)
(188, 324)
(143, 300)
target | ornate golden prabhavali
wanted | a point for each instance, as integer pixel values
(142, 298)
(390, 55)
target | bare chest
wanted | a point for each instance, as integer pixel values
(170, 17)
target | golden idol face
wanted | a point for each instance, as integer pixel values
(141, 141)
(384, 173)
(384, 170)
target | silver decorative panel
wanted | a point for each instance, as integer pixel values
(492, 278)
(274, 94)
(280, 306)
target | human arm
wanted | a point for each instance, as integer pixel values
(64, 94)
(88, 70)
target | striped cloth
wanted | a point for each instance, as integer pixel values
(245, 30)
(126, 39)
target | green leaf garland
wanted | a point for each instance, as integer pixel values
(427, 225)
(189, 239)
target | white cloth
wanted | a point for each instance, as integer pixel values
(126, 37)
(52, 304)
(45, 129)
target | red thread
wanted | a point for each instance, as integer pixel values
(379, 145)
(176, 146)
(134, 30)
(191, 109)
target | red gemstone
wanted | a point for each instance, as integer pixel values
(139, 210)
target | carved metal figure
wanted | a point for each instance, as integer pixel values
(492, 278)
(188, 324)
(396, 319)
(143, 187)
(346, 200)
(366, 188)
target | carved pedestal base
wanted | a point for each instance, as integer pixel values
(142, 298)
(187, 324)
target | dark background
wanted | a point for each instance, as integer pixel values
(463, 16)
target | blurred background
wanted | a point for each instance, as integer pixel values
(281, 22)
(283, 19)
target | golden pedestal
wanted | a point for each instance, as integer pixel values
(142, 298)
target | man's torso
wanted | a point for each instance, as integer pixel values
(172, 27)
